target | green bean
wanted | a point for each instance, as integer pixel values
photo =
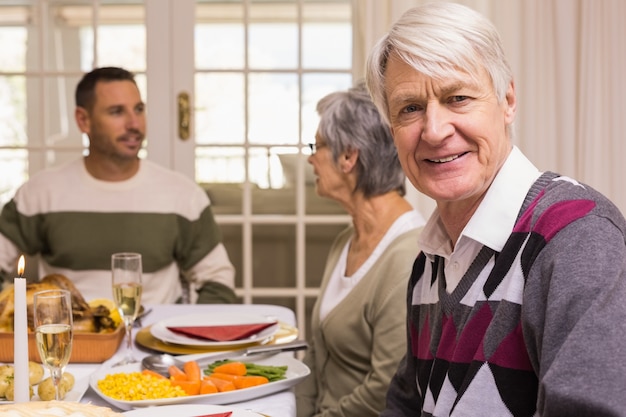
(272, 373)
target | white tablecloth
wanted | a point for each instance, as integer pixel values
(282, 404)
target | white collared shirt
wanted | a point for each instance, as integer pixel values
(491, 224)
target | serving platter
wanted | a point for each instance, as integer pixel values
(296, 372)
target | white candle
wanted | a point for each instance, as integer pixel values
(20, 338)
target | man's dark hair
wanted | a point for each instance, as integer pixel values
(85, 97)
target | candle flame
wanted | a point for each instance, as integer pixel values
(20, 266)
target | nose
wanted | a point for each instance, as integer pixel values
(134, 121)
(437, 123)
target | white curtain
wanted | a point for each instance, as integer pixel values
(569, 61)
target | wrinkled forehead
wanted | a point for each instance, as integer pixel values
(453, 67)
(445, 76)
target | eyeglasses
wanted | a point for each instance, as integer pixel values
(314, 147)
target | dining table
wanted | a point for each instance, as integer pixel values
(280, 404)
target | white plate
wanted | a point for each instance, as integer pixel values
(160, 330)
(185, 410)
(296, 371)
(81, 383)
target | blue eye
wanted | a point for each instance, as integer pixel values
(458, 99)
(412, 108)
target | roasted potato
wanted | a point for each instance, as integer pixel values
(68, 381)
(10, 392)
(45, 390)
(35, 373)
(5, 380)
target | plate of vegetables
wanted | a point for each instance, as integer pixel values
(221, 382)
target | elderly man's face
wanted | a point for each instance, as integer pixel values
(451, 134)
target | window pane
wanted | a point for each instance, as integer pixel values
(274, 255)
(264, 167)
(60, 128)
(327, 23)
(132, 56)
(319, 237)
(226, 198)
(13, 41)
(271, 194)
(314, 87)
(274, 108)
(220, 108)
(121, 35)
(219, 46)
(273, 46)
(62, 40)
(220, 164)
(232, 239)
(315, 40)
(289, 162)
(13, 111)
(14, 172)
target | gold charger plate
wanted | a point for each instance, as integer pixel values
(284, 334)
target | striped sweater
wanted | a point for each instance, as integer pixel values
(538, 329)
(75, 222)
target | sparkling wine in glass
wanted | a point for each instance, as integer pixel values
(126, 272)
(53, 332)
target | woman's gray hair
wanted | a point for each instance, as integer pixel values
(349, 120)
(438, 40)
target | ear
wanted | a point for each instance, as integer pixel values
(82, 119)
(511, 104)
(347, 160)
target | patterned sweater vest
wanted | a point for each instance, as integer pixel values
(467, 347)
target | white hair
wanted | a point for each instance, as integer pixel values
(438, 40)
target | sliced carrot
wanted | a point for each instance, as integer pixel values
(250, 381)
(232, 368)
(227, 377)
(152, 373)
(207, 387)
(192, 370)
(221, 384)
(177, 374)
(190, 387)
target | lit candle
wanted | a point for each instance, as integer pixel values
(20, 337)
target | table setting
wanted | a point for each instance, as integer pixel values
(202, 342)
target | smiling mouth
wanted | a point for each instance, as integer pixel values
(447, 159)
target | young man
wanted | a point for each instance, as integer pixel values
(77, 215)
(517, 304)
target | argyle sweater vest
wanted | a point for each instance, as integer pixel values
(466, 350)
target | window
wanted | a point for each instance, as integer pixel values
(259, 67)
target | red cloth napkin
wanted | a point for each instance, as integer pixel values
(226, 414)
(222, 333)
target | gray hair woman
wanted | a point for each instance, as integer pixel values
(358, 325)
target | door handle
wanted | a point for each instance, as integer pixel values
(184, 115)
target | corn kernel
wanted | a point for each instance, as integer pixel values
(136, 386)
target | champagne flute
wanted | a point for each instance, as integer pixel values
(126, 272)
(53, 331)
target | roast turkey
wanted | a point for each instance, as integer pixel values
(85, 318)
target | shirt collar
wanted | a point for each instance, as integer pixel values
(495, 217)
